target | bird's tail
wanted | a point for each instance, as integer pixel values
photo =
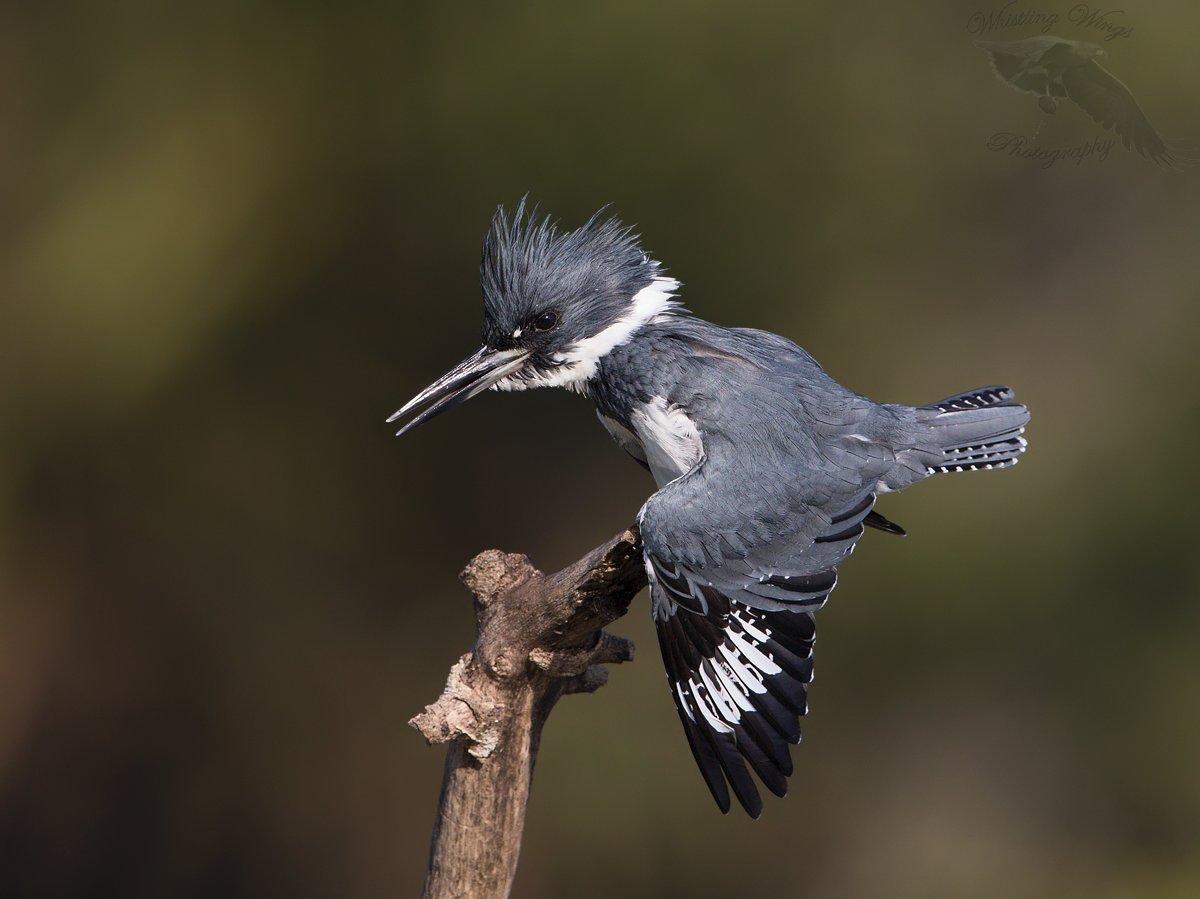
(974, 431)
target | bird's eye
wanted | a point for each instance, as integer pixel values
(546, 321)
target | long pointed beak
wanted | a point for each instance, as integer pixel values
(473, 375)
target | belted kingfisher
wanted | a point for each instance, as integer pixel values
(767, 469)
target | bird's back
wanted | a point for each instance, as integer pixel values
(763, 410)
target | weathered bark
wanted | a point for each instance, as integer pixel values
(537, 638)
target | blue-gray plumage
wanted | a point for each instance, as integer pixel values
(767, 468)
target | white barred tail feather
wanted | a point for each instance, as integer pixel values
(979, 398)
(975, 431)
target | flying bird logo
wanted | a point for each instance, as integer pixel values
(1054, 68)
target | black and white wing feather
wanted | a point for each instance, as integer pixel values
(736, 627)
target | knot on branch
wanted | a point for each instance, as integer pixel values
(571, 661)
(583, 669)
(462, 712)
(493, 573)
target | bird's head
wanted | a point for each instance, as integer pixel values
(555, 302)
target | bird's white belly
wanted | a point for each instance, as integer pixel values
(667, 439)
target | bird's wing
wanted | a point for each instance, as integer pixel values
(733, 606)
(1111, 104)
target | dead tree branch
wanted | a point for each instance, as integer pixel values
(537, 638)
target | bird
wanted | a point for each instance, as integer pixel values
(767, 470)
(1054, 68)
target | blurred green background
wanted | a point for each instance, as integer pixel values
(235, 237)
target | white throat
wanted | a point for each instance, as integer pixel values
(578, 362)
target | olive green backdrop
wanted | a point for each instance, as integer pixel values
(235, 237)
